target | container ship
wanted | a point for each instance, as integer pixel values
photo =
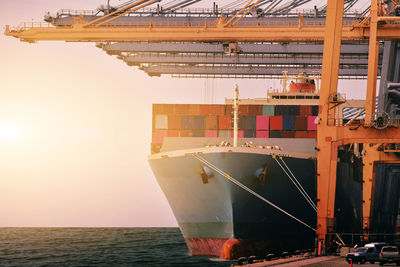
(241, 177)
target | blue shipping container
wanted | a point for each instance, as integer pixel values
(281, 110)
(186, 122)
(250, 122)
(198, 122)
(293, 110)
(288, 123)
(249, 134)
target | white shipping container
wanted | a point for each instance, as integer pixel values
(161, 121)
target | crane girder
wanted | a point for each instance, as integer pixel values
(136, 59)
(157, 70)
(77, 33)
(359, 49)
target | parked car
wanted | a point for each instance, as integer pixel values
(377, 245)
(389, 254)
(363, 254)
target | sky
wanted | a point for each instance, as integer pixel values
(75, 129)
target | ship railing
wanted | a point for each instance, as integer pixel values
(359, 121)
(72, 12)
(31, 25)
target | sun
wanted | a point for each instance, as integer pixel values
(10, 132)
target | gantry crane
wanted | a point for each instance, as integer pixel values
(376, 25)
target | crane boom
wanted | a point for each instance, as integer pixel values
(78, 33)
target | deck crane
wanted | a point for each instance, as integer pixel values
(375, 26)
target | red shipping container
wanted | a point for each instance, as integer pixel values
(240, 134)
(275, 122)
(300, 123)
(305, 110)
(262, 122)
(173, 133)
(212, 109)
(262, 134)
(311, 126)
(301, 134)
(186, 133)
(255, 110)
(194, 109)
(243, 110)
(211, 133)
(312, 134)
(158, 136)
(211, 122)
(182, 109)
(225, 122)
(206, 109)
(288, 134)
(174, 122)
(229, 110)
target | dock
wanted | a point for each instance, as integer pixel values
(325, 261)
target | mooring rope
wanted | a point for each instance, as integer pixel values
(296, 183)
(294, 177)
(233, 180)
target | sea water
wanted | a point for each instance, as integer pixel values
(98, 247)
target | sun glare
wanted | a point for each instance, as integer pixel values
(10, 132)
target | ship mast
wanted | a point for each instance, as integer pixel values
(235, 115)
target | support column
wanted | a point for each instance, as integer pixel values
(326, 135)
(370, 156)
(373, 55)
(388, 59)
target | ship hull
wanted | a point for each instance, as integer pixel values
(219, 218)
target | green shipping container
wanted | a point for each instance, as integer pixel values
(268, 110)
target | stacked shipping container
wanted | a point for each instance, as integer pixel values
(255, 121)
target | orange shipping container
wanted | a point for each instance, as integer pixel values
(186, 133)
(225, 122)
(211, 122)
(163, 108)
(194, 109)
(301, 134)
(206, 109)
(229, 110)
(244, 110)
(218, 110)
(212, 109)
(173, 133)
(182, 109)
(174, 122)
(255, 110)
